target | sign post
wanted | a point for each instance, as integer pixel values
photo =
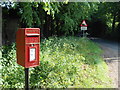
(83, 27)
(27, 46)
(26, 78)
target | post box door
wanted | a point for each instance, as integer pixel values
(32, 42)
(32, 55)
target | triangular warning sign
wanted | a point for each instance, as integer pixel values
(84, 23)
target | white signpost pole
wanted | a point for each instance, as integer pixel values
(83, 33)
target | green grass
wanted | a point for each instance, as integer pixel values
(65, 62)
(0, 66)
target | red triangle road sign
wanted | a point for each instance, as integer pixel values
(84, 23)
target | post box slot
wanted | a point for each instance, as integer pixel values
(31, 35)
(32, 43)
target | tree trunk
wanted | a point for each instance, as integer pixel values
(113, 23)
(47, 26)
(41, 29)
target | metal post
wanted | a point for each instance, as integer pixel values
(26, 78)
(83, 33)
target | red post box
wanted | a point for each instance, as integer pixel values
(27, 45)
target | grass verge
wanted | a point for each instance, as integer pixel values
(65, 62)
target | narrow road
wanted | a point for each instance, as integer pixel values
(111, 56)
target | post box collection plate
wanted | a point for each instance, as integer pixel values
(27, 45)
(32, 54)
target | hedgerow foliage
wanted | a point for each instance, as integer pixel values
(65, 62)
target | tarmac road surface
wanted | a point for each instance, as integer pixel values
(111, 56)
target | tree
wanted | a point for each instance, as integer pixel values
(111, 10)
(71, 15)
(61, 18)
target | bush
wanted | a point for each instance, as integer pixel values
(65, 62)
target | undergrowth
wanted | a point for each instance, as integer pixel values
(65, 62)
